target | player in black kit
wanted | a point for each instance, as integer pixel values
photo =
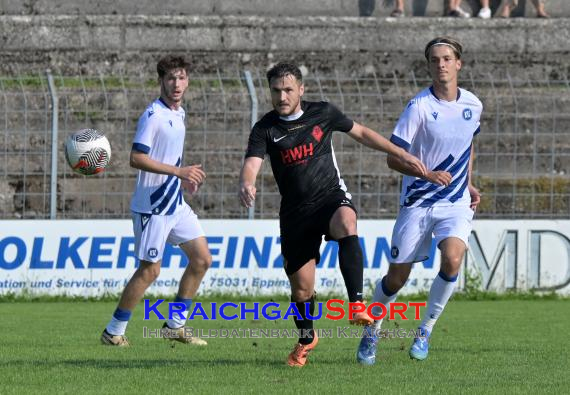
(297, 136)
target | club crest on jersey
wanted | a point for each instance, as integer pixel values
(317, 133)
(395, 252)
(467, 114)
(152, 252)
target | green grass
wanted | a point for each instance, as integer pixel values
(112, 82)
(508, 346)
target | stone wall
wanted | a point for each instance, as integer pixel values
(275, 8)
(111, 43)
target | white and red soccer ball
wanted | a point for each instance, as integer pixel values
(87, 152)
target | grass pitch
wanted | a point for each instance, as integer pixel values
(513, 346)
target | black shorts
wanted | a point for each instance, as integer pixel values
(301, 235)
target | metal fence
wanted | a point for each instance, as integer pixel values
(522, 165)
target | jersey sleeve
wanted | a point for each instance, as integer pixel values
(339, 121)
(480, 111)
(407, 126)
(145, 133)
(257, 143)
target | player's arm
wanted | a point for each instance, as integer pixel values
(435, 177)
(474, 192)
(371, 139)
(141, 161)
(405, 131)
(256, 151)
(247, 177)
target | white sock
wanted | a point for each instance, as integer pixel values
(117, 327)
(439, 294)
(118, 324)
(382, 295)
(178, 320)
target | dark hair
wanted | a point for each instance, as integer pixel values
(283, 69)
(448, 41)
(171, 62)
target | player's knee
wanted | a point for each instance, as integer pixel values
(300, 295)
(344, 227)
(395, 283)
(397, 276)
(451, 262)
(150, 273)
(202, 263)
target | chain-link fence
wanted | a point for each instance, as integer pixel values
(523, 151)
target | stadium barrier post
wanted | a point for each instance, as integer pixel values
(253, 120)
(54, 144)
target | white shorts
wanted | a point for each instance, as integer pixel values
(416, 226)
(152, 232)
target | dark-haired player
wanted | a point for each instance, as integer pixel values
(297, 137)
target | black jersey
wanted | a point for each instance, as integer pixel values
(301, 154)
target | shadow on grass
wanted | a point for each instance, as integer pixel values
(147, 363)
(139, 364)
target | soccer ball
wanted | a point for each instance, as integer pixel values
(87, 152)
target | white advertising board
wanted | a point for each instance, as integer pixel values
(95, 257)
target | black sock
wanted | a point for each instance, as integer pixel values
(305, 325)
(351, 266)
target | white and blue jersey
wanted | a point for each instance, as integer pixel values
(160, 134)
(440, 134)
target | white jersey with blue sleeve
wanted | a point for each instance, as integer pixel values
(160, 134)
(440, 134)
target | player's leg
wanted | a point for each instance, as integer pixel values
(342, 228)
(452, 251)
(303, 295)
(385, 293)
(199, 261)
(300, 248)
(411, 242)
(188, 234)
(144, 276)
(451, 231)
(150, 238)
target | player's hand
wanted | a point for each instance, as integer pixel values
(413, 162)
(190, 186)
(439, 177)
(247, 194)
(475, 197)
(192, 173)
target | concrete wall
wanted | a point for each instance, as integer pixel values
(558, 8)
(132, 43)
